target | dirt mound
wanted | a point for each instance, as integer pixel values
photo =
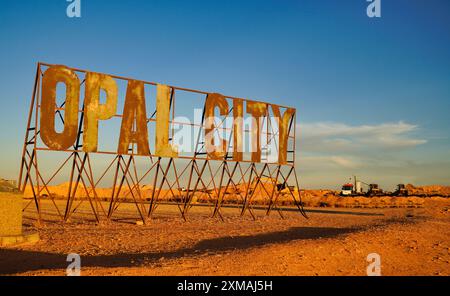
(260, 195)
(8, 186)
(363, 202)
(428, 189)
(61, 191)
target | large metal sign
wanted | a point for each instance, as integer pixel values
(223, 143)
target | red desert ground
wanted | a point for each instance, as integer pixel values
(409, 233)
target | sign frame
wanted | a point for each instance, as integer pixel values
(126, 180)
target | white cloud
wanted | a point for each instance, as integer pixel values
(330, 152)
(329, 162)
(331, 136)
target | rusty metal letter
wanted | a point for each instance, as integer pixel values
(283, 131)
(53, 76)
(134, 121)
(93, 110)
(257, 110)
(212, 101)
(238, 128)
(162, 146)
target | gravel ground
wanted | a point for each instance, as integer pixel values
(411, 241)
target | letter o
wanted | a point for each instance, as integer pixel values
(65, 139)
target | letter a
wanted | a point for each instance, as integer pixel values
(74, 8)
(374, 8)
(134, 121)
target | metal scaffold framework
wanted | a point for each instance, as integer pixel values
(181, 180)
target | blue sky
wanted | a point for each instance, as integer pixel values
(372, 95)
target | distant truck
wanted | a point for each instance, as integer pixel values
(349, 189)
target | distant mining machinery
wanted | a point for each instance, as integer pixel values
(355, 189)
(373, 189)
(401, 190)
